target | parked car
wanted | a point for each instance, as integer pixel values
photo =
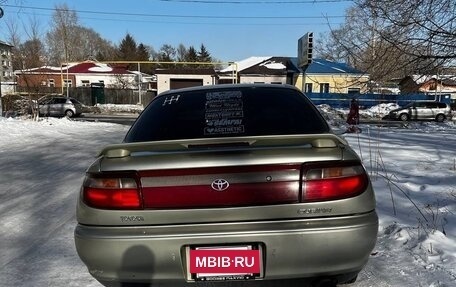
(422, 111)
(59, 106)
(227, 182)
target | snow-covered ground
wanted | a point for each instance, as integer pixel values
(413, 169)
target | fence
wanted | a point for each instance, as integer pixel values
(92, 95)
(336, 100)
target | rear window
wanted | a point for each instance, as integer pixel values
(248, 111)
(441, 105)
(60, 100)
(75, 102)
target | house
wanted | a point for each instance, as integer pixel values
(429, 84)
(320, 76)
(323, 76)
(175, 78)
(7, 79)
(269, 70)
(82, 74)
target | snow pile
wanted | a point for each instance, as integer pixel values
(127, 109)
(21, 109)
(379, 111)
(337, 117)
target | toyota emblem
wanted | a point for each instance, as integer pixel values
(220, 185)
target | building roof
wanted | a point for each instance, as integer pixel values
(5, 44)
(244, 64)
(87, 67)
(449, 80)
(271, 66)
(275, 65)
(322, 66)
(186, 71)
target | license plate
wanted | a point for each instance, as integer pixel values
(221, 263)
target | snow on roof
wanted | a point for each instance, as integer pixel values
(100, 69)
(5, 44)
(420, 79)
(273, 65)
(87, 67)
(246, 63)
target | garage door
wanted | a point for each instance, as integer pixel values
(185, 83)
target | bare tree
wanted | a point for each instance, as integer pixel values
(122, 82)
(32, 51)
(425, 30)
(27, 54)
(68, 41)
(91, 45)
(181, 53)
(167, 53)
(359, 42)
(14, 39)
(61, 37)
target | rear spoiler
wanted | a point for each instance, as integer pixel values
(314, 140)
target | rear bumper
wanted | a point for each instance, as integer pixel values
(291, 248)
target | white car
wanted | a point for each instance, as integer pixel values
(422, 111)
(60, 106)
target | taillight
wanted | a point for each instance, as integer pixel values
(111, 192)
(331, 181)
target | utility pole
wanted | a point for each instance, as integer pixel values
(1, 108)
(139, 83)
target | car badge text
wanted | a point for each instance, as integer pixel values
(220, 185)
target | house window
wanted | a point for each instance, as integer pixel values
(4, 63)
(68, 83)
(308, 88)
(324, 88)
(51, 83)
(354, 90)
(85, 83)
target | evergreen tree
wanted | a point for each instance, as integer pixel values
(204, 55)
(127, 49)
(192, 55)
(142, 53)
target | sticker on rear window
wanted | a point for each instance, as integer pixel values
(224, 130)
(224, 113)
(171, 100)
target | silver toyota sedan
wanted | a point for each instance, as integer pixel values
(227, 183)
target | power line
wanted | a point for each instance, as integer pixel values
(256, 1)
(231, 23)
(175, 16)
